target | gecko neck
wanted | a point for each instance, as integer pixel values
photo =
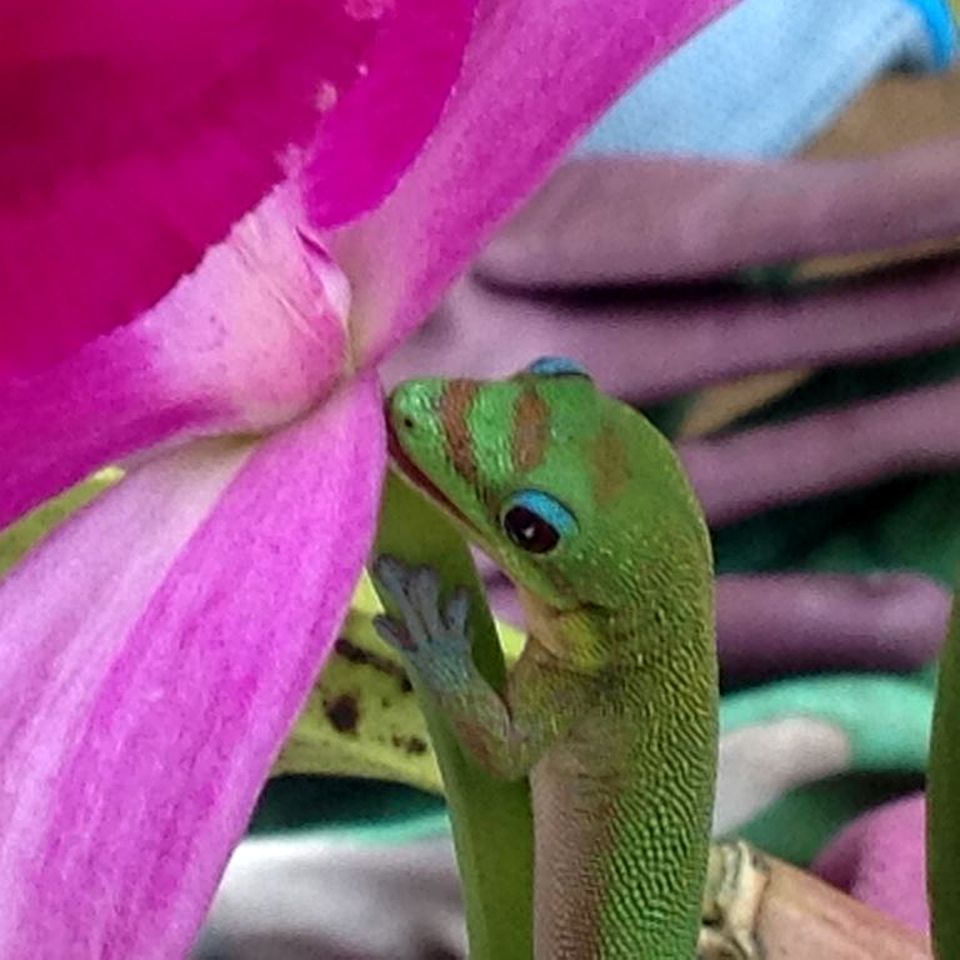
(623, 878)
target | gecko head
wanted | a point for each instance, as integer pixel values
(574, 494)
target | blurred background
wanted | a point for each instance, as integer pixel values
(758, 246)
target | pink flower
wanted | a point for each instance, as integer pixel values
(157, 648)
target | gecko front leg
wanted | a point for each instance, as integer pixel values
(505, 734)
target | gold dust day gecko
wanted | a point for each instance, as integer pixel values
(612, 708)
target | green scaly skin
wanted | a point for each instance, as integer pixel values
(611, 709)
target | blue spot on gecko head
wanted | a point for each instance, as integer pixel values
(556, 367)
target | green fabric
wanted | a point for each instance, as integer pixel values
(798, 826)
(375, 811)
(296, 803)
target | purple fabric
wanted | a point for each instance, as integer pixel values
(879, 859)
(640, 223)
(794, 623)
(642, 219)
(798, 623)
(914, 431)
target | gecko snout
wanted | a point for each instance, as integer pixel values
(402, 414)
(413, 405)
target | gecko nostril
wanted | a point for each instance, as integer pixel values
(408, 423)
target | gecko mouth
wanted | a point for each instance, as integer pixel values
(405, 466)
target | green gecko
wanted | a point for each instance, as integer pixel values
(612, 708)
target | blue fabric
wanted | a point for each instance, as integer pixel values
(767, 76)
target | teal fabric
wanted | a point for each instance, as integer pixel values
(852, 703)
(765, 78)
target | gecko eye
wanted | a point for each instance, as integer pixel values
(557, 367)
(535, 521)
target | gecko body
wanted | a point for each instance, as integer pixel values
(611, 709)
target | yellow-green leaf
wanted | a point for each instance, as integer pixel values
(362, 719)
(17, 539)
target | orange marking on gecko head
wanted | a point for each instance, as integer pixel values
(610, 463)
(455, 403)
(531, 429)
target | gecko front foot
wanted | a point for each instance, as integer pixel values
(431, 636)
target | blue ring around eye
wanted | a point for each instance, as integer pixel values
(546, 507)
(557, 367)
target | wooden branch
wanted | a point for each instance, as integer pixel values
(759, 908)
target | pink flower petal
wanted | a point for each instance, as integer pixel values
(536, 73)
(134, 138)
(253, 339)
(381, 123)
(184, 617)
(880, 859)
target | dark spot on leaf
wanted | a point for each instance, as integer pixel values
(343, 713)
(415, 746)
(353, 653)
